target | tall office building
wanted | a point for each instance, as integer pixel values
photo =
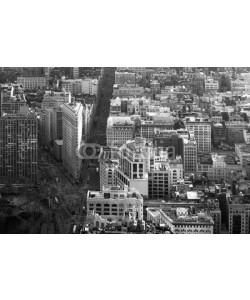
(202, 132)
(189, 154)
(108, 165)
(74, 72)
(18, 147)
(72, 120)
(51, 115)
(239, 215)
(47, 75)
(170, 139)
(48, 126)
(149, 171)
(162, 175)
(134, 164)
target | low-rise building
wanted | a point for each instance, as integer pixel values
(127, 91)
(119, 130)
(114, 203)
(31, 83)
(211, 85)
(182, 220)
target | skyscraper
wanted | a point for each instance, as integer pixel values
(18, 147)
(72, 119)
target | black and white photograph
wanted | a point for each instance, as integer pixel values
(124, 149)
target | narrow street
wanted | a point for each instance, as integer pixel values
(98, 132)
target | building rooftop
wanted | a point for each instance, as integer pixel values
(193, 195)
(196, 120)
(115, 192)
(182, 215)
(244, 148)
(119, 121)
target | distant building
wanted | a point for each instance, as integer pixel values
(119, 130)
(238, 85)
(125, 77)
(90, 86)
(74, 72)
(169, 138)
(190, 154)
(202, 132)
(243, 153)
(159, 122)
(162, 175)
(74, 86)
(31, 83)
(81, 86)
(53, 99)
(239, 215)
(219, 133)
(127, 91)
(235, 131)
(11, 99)
(246, 136)
(211, 85)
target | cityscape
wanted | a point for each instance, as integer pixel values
(125, 150)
